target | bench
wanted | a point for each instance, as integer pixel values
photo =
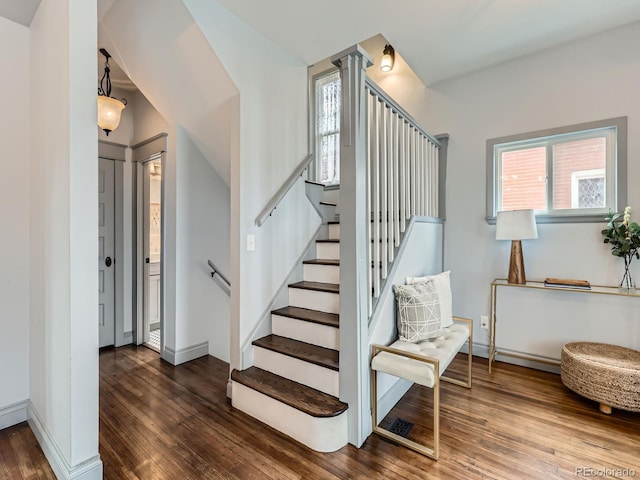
(422, 363)
(607, 374)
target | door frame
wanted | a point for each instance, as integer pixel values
(118, 153)
(153, 148)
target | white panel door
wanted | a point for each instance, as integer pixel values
(106, 249)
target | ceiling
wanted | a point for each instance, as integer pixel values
(440, 39)
(19, 11)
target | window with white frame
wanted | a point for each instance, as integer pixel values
(588, 188)
(327, 128)
(566, 174)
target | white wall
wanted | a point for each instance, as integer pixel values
(401, 83)
(269, 138)
(63, 232)
(203, 311)
(160, 47)
(14, 212)
(187, 91)
(591, 79)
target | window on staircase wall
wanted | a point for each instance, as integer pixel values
(327, 128)
(567, 174)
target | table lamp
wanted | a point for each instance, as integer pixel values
(516, 225)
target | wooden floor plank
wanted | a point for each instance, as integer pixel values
(163, 422)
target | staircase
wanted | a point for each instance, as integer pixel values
(294, 383)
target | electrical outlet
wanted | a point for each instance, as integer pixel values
(251, 243)
(484, 321)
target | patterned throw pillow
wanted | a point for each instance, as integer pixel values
(443, 286)
(418, 311)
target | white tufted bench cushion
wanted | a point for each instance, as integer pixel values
(443, 348)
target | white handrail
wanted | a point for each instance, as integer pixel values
(215, 271)
(282, 191)
(380, 93)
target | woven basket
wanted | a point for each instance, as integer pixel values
(608, 374)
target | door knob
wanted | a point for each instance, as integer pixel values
(107, 261)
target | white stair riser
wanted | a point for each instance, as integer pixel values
(308, 332)
(314, 300)
(323, 434)
(328, 251)
(321, 273)
(334, 231)
(309, 374)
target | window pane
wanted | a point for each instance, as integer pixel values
(328, 128)
(329, 158)
(591, 193)
(523, 179)
(579, 174)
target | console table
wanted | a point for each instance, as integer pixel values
(501, 282)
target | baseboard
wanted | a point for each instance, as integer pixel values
(182, 355)
(154, 326)
(90, 469)
(13, 414)
(481, 350)
(230, 388)
(125, 339)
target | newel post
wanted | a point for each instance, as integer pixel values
(354, 300)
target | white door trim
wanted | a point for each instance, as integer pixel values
(151, 149)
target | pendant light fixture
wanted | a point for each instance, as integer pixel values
(388, 58)
(109, 108)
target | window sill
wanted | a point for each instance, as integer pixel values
(592, 218)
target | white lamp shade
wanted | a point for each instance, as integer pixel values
(386, 64)
(109, 110)
(516, 225)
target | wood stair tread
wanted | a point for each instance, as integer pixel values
(321, 261)
(313, 316)
(314, 183)
(321, 356)
(333, 223)
(331, 204)
(306, 399)
(328, 240)
(317, 286)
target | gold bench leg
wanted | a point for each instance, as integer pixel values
(424, 450)
(460, 383)
(405, 442)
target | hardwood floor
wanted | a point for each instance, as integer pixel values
(161, 422)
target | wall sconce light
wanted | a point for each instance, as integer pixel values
(109, 108)
(516, 225)
(388, 58)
